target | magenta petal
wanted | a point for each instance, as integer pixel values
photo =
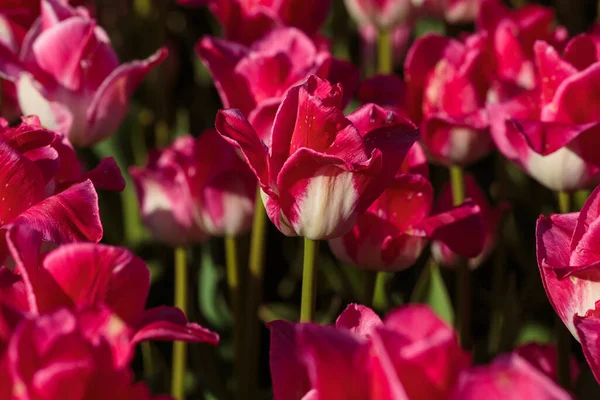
(234, 128)
(332, 361)
(69, 216)
(358, 319)
(588, 330)
(10, 64)
(25, 245)
(547, 137)
(385, 90)
(170, 323)
(107, 175)
(581, 51)
(289, 376)
(91, 274)
(552, 69)
(461, 229)
(111, 100)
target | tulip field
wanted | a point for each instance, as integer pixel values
(299, 199)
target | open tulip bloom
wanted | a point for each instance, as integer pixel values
(322, 169)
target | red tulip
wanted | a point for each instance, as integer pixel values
(513, 33)
(322, 169)
(393, 231)
(50, 353)
(98, 281)
(382, 14)
(411, 355)
(247, 21)
(550, 132)
(447, 86)
(568, 259)
(194, 189)
(507, 377)
(77, 87)
(490, 217)
(45, 189)
(244, 76)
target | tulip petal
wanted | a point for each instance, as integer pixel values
(109, 105)
(384, 90)
(289, 377)
(588, 331)
(170, 323)
(69, 216)
(548, 137)
(581, 51)
(106, 175)
(358, 319)
(552, 69)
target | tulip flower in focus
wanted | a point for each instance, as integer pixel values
(194, 189)
(393, 231)
(568, 259)
(48, 355)
(447, 86)
(322, 170)
(44, 187)
(490, 216)
(247, 21)
(412, 354)
(69, 75)
(551, 132)
(244, 76)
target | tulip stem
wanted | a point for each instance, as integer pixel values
(463, 281)
(309, 280)
(179, 347)
(233, 281)
(256, 264)
(380, 300)
(563, 336)
(384, 52)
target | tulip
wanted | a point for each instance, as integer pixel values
(544, 357)
(393, 231)
(77, 87)
(513, 33)
(194, 189)
(322, 169)
(247, 21)
(550, 132)
(384, 14)
(439, 71)
(97, 279)
(490, 218)
(244, 75)
(507, 377)
(412, 354)
(49, 353)
(45, 189)
(568, 260)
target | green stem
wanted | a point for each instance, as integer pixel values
(385, 62)
(179, 348)
(233, 281)
(248, 384)
(309, 280)
(563, 337)
(380, 300)
(463, 281)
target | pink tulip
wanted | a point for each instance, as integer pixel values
(381, 14)
(194, 189)
(322, 169)
(45, 188)
(568, 259)
(447, 85)
(48, 354)
(412, 354)
(97, 281)
(544, 357)
(490, 218)
(244, 76)
(247, 21)
(393, 231)
(551, 132)
(69, 75)
(513, 33)
(507, 377)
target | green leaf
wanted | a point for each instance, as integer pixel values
(211, 301)
(534, 332)
(424, 26)
(431, 289)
